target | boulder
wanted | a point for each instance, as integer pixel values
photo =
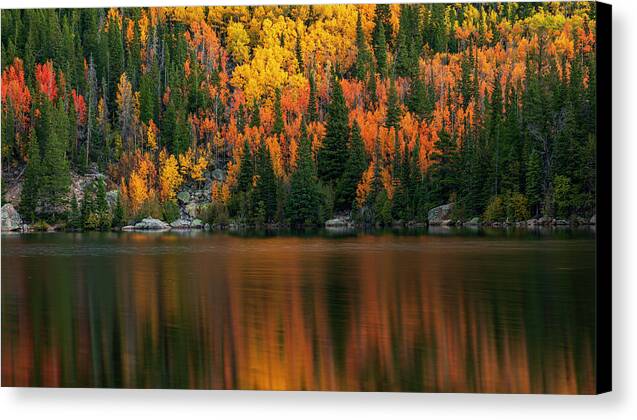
(11, 219)
(544, 220)
(196, 224)
(561, 222)
(180, 224)
(447, 222)
(439, 214)
(593, 220)
(183, 197)
(473, 222)
(531, 222)
(151, 224)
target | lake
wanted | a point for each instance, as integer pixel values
(437, 311)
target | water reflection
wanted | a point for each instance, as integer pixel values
(369, 312)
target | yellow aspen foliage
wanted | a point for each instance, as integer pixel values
(186, 162)
(169, 177)
(198, 168)
(238, 42)
(151, 135)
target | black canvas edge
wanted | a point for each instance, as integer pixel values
(603, 275)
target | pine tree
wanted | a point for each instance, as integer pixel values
(118, 213)
(55, 177)
(278, 113)
(312, 109)
(394, 112)
(380, 51)
(356, 165)
(534, 178)
(265, 190)
(115, 59)
(246, 169)
(255, 120)
(334, 147)
(363, 56)
(444, 170)
(304, 200)
(31, 186)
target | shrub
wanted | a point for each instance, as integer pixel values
(495, 211)
(562, 195)
(517, 207)
(170, 211)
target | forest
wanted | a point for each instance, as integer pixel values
(293, 115)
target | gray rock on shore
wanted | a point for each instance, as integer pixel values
(11, 219)
(148, 224)
(438, 215)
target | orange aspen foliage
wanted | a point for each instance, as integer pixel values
(365, 185)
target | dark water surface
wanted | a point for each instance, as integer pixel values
(496, 312)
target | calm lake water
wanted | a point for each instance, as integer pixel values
(462, 312)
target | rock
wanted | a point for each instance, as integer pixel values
(593, 220)
(196, 224)
(206, 226)
(128, 228)
(473, 222)
(152, 224)
(11, 219)
(111, 198)
(192, 210)
(218, 175)
(447, 222)
(180, 224)
(531, 222)
(438, 214)
(561, 222)
(183, 197)
(337, 223)
(544, 220)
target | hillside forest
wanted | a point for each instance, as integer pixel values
(293, 115)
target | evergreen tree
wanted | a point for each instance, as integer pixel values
(312, 106)
(534, 178)
(304, 200)
(278, 113)
(380, 52)
(394, 112)
(55, 177)
(334, 147)
(356, 165)
(115, 59)
(265, 190)
(363, 56)
(444, 170)
(31, 186)
(118, 213)
(246, 169)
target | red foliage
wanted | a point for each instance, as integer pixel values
(45, 75)
(14, 88)
(80, 106)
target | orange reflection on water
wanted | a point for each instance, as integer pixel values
(367, 313)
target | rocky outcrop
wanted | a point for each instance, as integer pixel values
(182, 224)
(593, 220)
(438, 215)
(148, 224)
(473, 222)
(11, 220)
